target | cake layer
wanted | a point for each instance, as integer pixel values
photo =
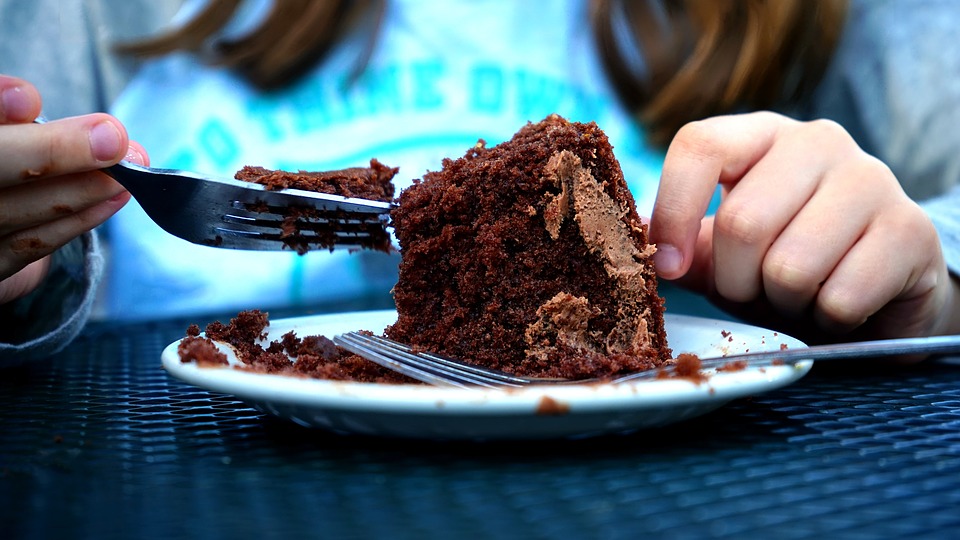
(373, 182)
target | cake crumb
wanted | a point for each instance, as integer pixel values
(685, 366)
(309, 356)
(733, 365)
(202, 351)
(551, 407)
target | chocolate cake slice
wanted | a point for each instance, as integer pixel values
(530, 257)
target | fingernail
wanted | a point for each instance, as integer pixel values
(105, 141)
(134, 156)
(16, 104)
(667, 259)
(121, 197)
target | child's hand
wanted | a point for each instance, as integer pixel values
(810, 230)
(50, 188)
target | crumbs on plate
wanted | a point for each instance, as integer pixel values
(308, 356)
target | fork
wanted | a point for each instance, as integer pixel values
(229, 213)
(232, 214)
(443, 371)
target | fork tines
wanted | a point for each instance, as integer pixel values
(301, 227)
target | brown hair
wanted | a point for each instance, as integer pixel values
(293, 37)
(700, 58)
(670, 61)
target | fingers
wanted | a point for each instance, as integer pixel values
(19, 249)
(71, 145)
(760, 206)
(38, 217)
(24, 205)
(34, 203)
(701, 156)
(51, 189)
(822, 233)
(809, 225)
(19, 101)
(894, 263)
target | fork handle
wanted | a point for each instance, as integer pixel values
(839, 351)
(848, 351)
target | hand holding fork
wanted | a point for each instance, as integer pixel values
(51, 187)
(55, 185)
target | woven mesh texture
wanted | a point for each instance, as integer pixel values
(100, 442)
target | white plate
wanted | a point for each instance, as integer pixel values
(423, 411)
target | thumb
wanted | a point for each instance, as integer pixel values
(698, 263)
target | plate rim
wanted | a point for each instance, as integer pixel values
(258, 388)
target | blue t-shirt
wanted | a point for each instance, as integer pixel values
(442, 76)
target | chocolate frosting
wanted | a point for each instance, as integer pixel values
(599, 219)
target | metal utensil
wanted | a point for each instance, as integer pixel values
(229, 213)
(232, 214)
(442, 371)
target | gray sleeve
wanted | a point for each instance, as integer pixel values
(45, 321)
(894, 84)
(65, 47)
(945, 213)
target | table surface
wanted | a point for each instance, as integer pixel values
(99, 442)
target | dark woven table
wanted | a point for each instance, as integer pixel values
(101, 443)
